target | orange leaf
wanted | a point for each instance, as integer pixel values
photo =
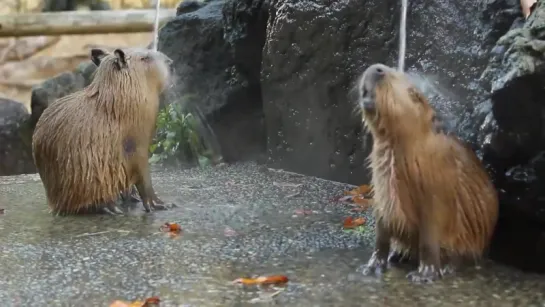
(171, 227)
(526, 6)
(361, 190)
(349, 222)
(126, 304)
(150, 302)
(262, 280)
(360, 200)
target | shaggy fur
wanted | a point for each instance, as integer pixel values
(434, 200)
(92, 144)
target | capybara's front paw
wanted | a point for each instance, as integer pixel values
(153, 203)
(376, 265)
(396, 257)
(424, 274)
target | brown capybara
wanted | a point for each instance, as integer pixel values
(433, 198)
(93, 144)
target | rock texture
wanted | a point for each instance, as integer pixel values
(216, 47)
(15, 139)
(514, 141)
(59, 86)
(316, 50)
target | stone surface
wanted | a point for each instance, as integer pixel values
(59, 86)
(513, 138)
(315, 52)
(15, 139)
(237, 221)
(216, 47)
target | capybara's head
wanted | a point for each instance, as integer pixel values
(125, 68)
(390, 103)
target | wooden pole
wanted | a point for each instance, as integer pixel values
(81, 22)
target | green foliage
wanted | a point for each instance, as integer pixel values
(177, 138)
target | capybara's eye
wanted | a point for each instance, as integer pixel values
(364, 93)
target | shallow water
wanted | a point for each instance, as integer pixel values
(238, 221)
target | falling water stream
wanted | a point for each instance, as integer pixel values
(156, 25)
(402, 36)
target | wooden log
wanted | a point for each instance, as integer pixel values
(81, 22)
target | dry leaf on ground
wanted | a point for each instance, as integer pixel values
(262, 280)
(229, 232)
(173, 228)
(303, 212)
(361, 190)
(149, 302)
(350, 222)
(526, 6)
(2, 211)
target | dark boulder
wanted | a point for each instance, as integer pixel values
(15, 139)
(514, 142)
(216, 47)
(59, 86)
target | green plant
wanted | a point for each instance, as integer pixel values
(177, 138)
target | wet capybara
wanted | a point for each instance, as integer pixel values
(93, 144)
(434, 201)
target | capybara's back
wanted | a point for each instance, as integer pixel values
(90, 145)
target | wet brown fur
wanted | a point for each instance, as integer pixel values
(431, 191)
(78, 142)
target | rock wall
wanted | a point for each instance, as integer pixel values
(216, 47)
(514, 140)
(315, 51)
(15, 139)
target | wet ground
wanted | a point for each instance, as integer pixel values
(238, 221)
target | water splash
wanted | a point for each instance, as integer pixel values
(402, 36)
(156, 25)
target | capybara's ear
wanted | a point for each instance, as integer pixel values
(121, 60)
(97, 55)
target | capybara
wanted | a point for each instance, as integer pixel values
(434, 201)
(93, 144)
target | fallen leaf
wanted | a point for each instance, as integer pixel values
(361, 190)
(526, 6)
(149, 302)
(303, 212)
(350, 222)
(262, 280)
(171, 227)
(152, 302)
(2, 210)
(229, 232)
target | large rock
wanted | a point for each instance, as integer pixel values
(514, 139)
(59, 86)
(15, 139)
(316, 50)
(216, 47)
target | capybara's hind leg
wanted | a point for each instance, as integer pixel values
(449, 264)
(397, 257)
(111, 208)
(429, 268)
(145, 189)
(131, 194)
(379, 259)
